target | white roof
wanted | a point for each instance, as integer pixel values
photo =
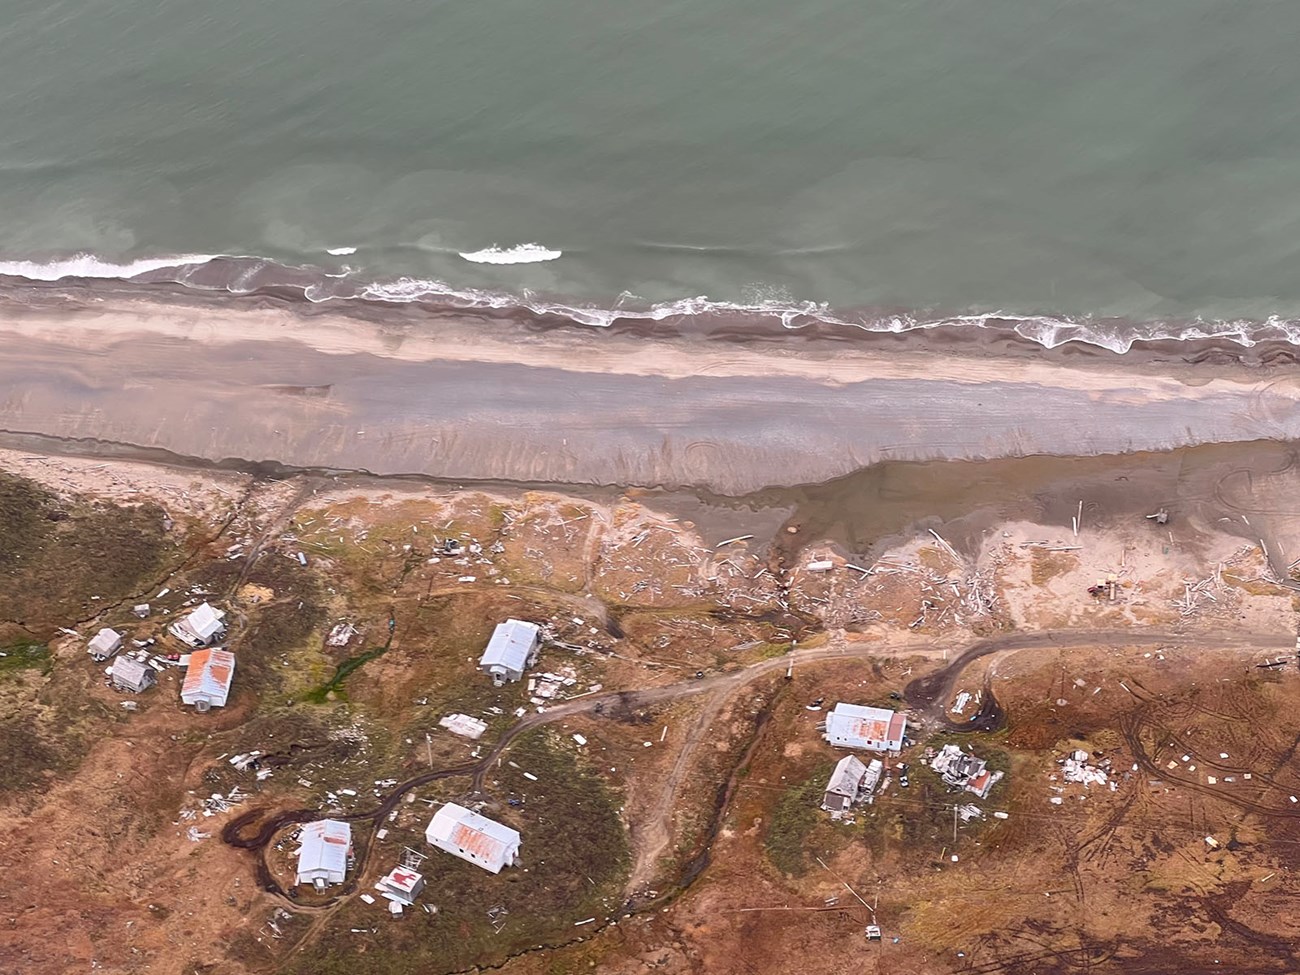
(402, 879)
(205, 621)
(131, 671)
(105, 641)
(325, 846)
(511, 643)
(483, 840)
(847, 776)
(858, 725)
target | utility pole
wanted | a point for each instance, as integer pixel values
(428, 744)
(954, 821)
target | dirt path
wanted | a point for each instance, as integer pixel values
(650, 838)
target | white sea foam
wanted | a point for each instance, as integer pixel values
(90, 266)
(340, 251)
(1117, 335)
(519, 254)
(1045, 330)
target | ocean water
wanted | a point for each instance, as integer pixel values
(1095, 169)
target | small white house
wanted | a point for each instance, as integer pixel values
(208, 677)
(874, 729)
(132, 675)
(401, 885)
(325, 853)
(104, 644)
(201, 627)
(472, 837)
(511, 651)
(846, 781)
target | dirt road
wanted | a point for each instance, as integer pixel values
(653, 834)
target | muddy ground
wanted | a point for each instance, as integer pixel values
(670, 821)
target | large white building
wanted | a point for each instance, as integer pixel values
(856, 726)
(325, 852)
(472, 837)
(511, 651)
(208, 679)
(203, 626)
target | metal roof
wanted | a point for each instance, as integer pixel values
(105, 641)
(857, 723)
(209, 676)
(325, 846)
(205, 621)
(480, 838)
(511, 644)
(128, 670)
(402, 879)
(847, 776)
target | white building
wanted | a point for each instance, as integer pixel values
(104, 644)
(325, 853)
(875, 729)
(208, 678)
(401, 885)
(472, 837)
(511, 651)
(201, 627)
(132, 675)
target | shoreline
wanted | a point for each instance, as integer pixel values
(264, 285)
(690, 405)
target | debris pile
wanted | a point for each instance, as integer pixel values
(961, 770)
(1075, 768)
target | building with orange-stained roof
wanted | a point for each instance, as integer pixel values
(472, 837)
(325, 853)
(856, 726)
(208, 679)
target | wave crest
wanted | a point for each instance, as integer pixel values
(519, 254)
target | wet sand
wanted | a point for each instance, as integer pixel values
(463, 399)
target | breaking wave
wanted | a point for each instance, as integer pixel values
(519, 254)
(249, 276)
(90, 266)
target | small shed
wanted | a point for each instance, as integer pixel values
(873, 729)
(466, 834)
(104, 644)
(401, 885)
(203, 626)
(325, 854)
(511, 651)
(208, 678)
(846, 780)
(132, 675)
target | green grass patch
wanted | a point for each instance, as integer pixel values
(24, 656)
(575, 861)
(797, 813)
(334, 685)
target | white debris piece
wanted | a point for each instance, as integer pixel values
(959, 706)
(579, 739)
(1074, 770)
(969, 811)
(463, 725)
(822, 565)
(367, 898)
(341, 634)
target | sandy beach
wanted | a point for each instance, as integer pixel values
(257, 382)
